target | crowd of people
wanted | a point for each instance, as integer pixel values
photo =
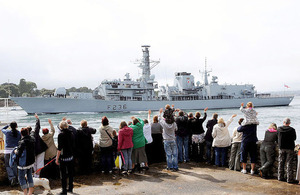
(172, 136)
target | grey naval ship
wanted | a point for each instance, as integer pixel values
(144, 93)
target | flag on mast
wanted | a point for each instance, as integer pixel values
(286, 86)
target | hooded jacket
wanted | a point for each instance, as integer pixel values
(84, 139)
(271, 138)
(138, 137)
(49, 141)
(105, 140)
(286, 137)
(221, 135)
(182, 126)
(210, 125)
(198, 127)
(168, 129)
(25, 152)
(40, 145)
(125, 138)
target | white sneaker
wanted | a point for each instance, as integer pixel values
(244, 171)
(252, 172)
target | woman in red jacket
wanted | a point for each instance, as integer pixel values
(125, 145)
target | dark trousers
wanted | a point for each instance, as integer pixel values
(210, 156)
(66, 171)
(285, 156)
(251, 148)
(85, 162)
(155, 150)
(197, 151)
(51, 171)
(267, 158)
(107, 158)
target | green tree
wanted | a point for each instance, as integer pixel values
(9, 89)
(27, 87)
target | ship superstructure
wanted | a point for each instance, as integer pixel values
(129, 90)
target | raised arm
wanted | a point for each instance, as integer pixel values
(159, 116)
(149, 119)
(230, 120)
(37, 125)
(52, 130)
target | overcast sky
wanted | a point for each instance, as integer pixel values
(80, 43)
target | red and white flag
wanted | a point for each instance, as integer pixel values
(286, 86)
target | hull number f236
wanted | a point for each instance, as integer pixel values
(117, 107)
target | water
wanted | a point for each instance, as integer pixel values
(266, 116)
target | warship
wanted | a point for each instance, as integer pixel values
(144, 93)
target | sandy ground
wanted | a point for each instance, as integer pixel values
(192, 178)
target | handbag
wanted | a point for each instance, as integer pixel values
(114, 141)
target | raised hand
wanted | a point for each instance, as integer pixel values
(205, 109)
(49, 120)
(242, 104)
(160, 111)
(149, 111)
(234, 115)
(36, 116)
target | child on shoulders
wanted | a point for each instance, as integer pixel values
(249, 114)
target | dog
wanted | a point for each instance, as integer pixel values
(43, 182)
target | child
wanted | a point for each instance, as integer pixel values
(168, 114)
(250, 114)
(125, 146)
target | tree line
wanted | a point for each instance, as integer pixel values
(29, 89)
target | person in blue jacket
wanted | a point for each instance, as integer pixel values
(25, 158)
(12, 137)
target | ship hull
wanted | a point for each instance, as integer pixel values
(65, 105)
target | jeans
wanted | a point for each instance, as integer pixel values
(221, 152)
(127, 158)
(67, 171)
(23, 183)
(171, 154)
(11, 172)
(285, 156)
(267, 158)
(235, 155)
(183, 144)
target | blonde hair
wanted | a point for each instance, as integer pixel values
(83, 123)
(273, 126)
(249, 105)
(168, 106)
(63, 125)
(221, 120)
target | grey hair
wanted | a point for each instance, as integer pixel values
(287, 121)
(63, 125)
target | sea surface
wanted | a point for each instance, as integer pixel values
(266, 116)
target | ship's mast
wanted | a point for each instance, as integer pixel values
(206, 73)
(145, 65)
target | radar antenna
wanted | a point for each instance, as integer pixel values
(205, 73)
(145, 62)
